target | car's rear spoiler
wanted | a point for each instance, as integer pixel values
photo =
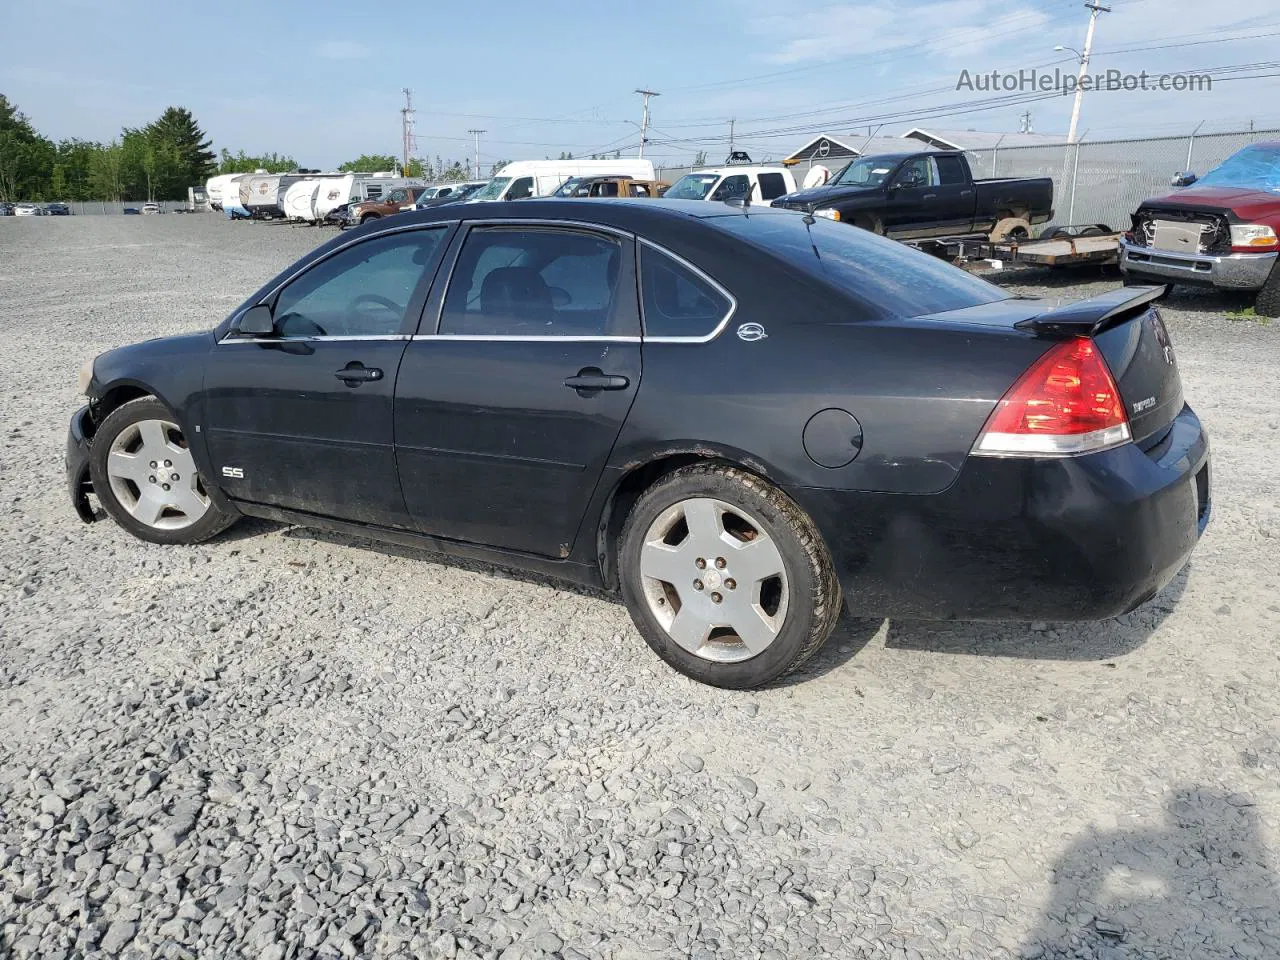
(1090, 316)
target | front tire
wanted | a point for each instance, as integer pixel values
(1268, 302)
(146, 478)
(726, 578)
(369, 216)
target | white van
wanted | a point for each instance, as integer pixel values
(763, 184)
(540, 178)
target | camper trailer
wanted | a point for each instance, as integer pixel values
(232, 206)
(215, 187)
(263, 194)
(541, 178)
(352, 188)
(300, 200)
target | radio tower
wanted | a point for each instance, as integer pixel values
(410, 144)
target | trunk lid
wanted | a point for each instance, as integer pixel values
(1130, 335)
(1134, 341)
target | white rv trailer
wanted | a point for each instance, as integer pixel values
(300, 200)
(355, 187)
(264, 195)
(540, 178)
(215, 186)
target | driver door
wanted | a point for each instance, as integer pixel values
(911, 209)
(302, 418)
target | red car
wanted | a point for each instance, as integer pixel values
(1220, 231)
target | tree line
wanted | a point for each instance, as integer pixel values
(156, 162)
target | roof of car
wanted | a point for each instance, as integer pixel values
(628, 212)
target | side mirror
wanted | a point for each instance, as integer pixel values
(257, 322)
(1183, 179)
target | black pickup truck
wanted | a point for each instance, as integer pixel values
(916, 195)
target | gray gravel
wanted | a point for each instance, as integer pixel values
(289, 744)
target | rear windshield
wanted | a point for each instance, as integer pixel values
(892, 277)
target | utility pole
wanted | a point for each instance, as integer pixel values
(1094, 9)
(476, 133)
(732, 121)
(1026, 123)
(644, 118)
(410, 142)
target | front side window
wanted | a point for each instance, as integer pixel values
(677, 302)
(396, 196)
(732, 188)
(569, 188)
(915, 173)
(534, 282)
(520, 189)
(362, 291)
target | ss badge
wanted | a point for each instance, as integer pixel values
(235, 473)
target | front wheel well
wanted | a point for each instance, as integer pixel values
(115, 398)
(630, 488)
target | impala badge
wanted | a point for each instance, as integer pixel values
(751, 332)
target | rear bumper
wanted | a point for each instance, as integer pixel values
(1077, 538)
(1235, 271)
(77, 464)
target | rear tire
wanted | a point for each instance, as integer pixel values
(1011, 228)
(1268, 302)
(726, 578)
(135, 457)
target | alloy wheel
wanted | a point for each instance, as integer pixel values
(714, 579)
(154, 476)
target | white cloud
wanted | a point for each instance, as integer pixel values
(343, 50)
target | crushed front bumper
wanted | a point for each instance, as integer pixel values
(79, 436)
(1234, 271)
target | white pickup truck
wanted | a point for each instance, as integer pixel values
(763, 184)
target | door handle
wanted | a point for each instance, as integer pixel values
(930, 196)
(356, 373)
(966, 193)
(590, 380)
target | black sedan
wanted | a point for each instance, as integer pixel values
(735, 416)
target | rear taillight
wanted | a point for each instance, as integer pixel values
(1066, 404)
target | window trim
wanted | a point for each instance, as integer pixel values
(719, 287)
(623, 237)
(269, 298)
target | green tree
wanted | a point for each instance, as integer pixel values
(75, 158)
(106, 165)
(371, 163)
(243, 163)
(178, 137)
(26, 158)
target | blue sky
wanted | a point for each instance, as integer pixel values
(321, 80)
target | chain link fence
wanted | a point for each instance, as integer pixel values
(1105, 181)
(1095, 181)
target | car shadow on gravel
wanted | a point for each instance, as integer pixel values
(1079, 641)
(1196, 883)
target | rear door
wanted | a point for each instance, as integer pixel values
(508, 406)
(302, 419)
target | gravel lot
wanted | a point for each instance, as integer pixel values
(291, 744)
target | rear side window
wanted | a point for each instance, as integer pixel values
(950, 170)
(772, 186)
(677, 301)
(890, 276)
(541, 282)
